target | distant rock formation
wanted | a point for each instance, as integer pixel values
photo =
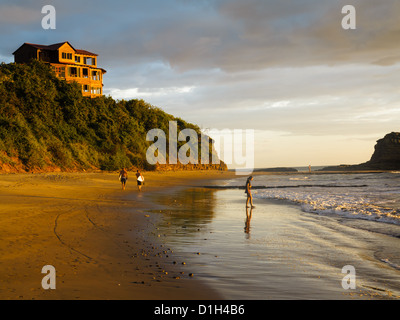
(387, 153)
(385, 157)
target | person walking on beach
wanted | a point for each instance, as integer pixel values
(123, 176)
(140, 180)
(248, 192)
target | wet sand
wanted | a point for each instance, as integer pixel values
(102, 241)
(278, 251)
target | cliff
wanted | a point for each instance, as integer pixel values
(385, 157)
(47, 125)
(387, 153)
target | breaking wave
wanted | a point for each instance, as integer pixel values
(347, 205)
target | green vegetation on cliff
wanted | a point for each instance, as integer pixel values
(46, 124)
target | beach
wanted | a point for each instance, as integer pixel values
(306, 232)
(101, 240)
(181, 239)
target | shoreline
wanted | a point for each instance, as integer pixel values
(222, 242)
(199, 171)
(100, 239)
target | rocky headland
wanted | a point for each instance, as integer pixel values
(385, 157)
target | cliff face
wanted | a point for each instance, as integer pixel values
(387, 153)
(385, 157)
(46, 125)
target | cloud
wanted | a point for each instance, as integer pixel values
(318, 100)
(11, 14)
(302, 33)
(238, 36)
(231, 35)
(159, 92)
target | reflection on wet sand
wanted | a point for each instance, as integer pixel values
(187, 210)
(249, 213)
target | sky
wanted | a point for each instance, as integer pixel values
(313, 92)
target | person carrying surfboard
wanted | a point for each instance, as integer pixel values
(140, 180)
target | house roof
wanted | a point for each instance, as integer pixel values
(54, 47)
(87, 53)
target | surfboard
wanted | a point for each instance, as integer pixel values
(140, 178)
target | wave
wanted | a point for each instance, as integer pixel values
(288, 186)
(345, 204)
(374, 197)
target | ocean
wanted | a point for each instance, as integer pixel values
(369, 196)
(294, 245)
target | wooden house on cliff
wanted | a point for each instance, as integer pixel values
(68, 63)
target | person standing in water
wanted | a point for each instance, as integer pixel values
(248, 192)
(123, 176)
(140, 180)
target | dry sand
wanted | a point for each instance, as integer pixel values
(101, 240)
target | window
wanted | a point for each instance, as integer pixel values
(89, 61)
(59, 71)
(66, 55)
(85, 73)
(74, 72)
(95, 91)
(85, 88)
(78, 59)
(95, 75)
